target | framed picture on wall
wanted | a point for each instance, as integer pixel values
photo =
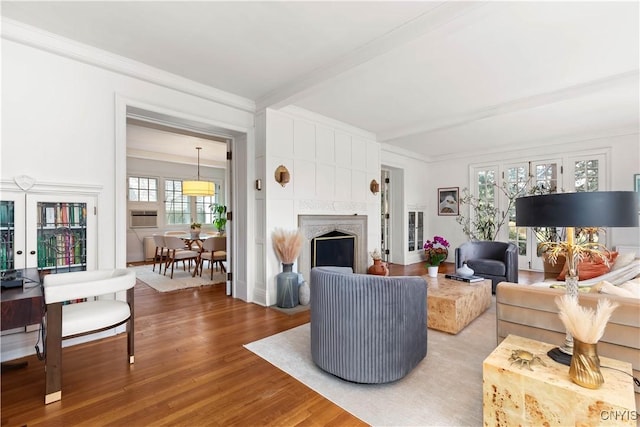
(636, 182)
(448, 201)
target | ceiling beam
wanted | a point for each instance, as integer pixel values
(417, 27)
(627, 78)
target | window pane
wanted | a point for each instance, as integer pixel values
(177, 209)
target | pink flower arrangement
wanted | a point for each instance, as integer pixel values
(438, 242)
(436, 250)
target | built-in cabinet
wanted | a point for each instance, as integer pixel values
(415, 241)
(50, 232)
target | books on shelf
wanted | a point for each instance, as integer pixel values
(468, 279)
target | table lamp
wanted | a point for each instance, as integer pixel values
(570, 210)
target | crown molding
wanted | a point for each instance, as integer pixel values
(388, 148)
(37, 38)
(563, 94)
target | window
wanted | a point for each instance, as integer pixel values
(586, 175)
(143, 189)
(176, 206)
(516, 180)
(203, 212)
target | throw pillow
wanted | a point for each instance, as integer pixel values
(623, 260)
(590, 268)
(605, 287)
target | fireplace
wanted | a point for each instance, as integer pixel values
(334, 248)
(350, 228)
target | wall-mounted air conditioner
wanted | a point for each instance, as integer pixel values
(144, 219)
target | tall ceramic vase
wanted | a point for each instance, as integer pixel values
(287, 287)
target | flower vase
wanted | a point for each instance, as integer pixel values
(432, 270)
(585, 365)
(304, 293)
(287, 287)
(436, 250)
(378, 268)
(195, 233)
(464, 271)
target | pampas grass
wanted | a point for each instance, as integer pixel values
(582, 322)
(287, 244)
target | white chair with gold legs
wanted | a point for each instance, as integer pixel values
(96, 313)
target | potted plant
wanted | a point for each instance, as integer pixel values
(219, 216)
(433, 264)
(195, 230)
(436, 251)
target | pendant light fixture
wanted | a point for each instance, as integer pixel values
(198, 188)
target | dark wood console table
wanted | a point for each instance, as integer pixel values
(22, 306)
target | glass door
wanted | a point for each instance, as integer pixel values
(12, 232)
(547, 178)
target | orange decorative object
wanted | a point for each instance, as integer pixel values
(378, 268)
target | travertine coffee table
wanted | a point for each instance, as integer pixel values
(452, 305)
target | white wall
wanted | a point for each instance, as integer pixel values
(622, 148)
(331, 165)
(59, 122)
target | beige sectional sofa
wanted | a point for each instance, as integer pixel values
(531, 312)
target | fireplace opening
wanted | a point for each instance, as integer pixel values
(333, 249)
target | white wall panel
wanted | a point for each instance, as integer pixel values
(325, 182)
(343, 184)
(343, 150)
(304, 140)
(358, 154)
(373, 158)
(280, 134)
(304, 181)
(325, 144)
(359, 186)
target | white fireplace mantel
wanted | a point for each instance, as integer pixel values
(313, 226)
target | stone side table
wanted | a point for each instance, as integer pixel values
(514, 395)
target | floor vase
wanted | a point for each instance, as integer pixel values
(287, 287)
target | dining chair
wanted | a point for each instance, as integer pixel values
(176, 252)
(214, 250)
(161, 251)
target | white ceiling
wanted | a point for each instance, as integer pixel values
(434, 78)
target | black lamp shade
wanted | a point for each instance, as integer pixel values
(590, 209)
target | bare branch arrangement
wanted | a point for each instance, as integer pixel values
(287, 244)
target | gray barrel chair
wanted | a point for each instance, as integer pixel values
(365, 328)
(497, 261)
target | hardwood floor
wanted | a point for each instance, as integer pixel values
(191, 369)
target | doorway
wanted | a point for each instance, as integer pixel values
(125, 109)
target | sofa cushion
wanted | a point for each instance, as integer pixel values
(487, 266)
(623, 260)
(590, 268)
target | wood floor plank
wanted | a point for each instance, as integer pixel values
(191, 369)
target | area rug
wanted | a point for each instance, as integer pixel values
(181, 279)
(444, 389)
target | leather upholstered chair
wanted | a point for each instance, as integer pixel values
(366, 328)
(176, 253)
(214, 250)
(497, 261)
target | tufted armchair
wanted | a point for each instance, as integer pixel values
(366, 328)
(497, 261)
